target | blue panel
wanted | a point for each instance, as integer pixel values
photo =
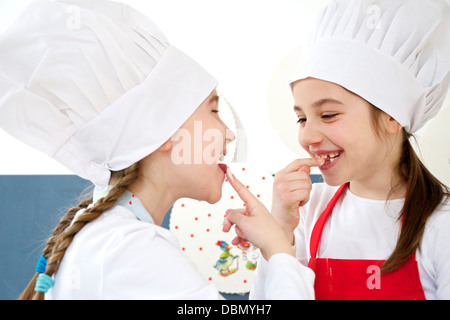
(30, 210)
(31, 207)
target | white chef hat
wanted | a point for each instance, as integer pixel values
(393, 53)
(95, 85)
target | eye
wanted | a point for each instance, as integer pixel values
(301, 120)
(215, 111)
(329, 116)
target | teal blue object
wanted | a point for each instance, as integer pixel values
(32, 206)
(43, 283)
(41, 265)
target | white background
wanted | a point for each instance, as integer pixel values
(250, 46)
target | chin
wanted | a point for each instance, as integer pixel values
(214, 197)
(333, 181)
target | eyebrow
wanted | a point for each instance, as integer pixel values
(319, 103)
(213, 99)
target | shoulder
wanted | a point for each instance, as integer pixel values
(137, 260)
(116, 223)
(439, 221)
(122, 228)
(117, 230)
(435, 240)
(320, 195)
(434, 253)
(322, 191)
(148, 263)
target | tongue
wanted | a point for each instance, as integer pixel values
(224, 167)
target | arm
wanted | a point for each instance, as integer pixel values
(434, 261)
(279, 275)
(291, 190)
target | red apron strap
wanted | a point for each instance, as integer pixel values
(360, 279)
(318, 227)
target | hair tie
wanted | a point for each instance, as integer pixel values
(43, 283)
(41, 265)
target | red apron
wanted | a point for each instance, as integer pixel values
(339, 279)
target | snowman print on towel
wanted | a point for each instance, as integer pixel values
(225, 264)
(198, 225)
(250, 255)
(229, 263)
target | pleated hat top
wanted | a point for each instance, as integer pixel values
(95, 85)
(393, 53)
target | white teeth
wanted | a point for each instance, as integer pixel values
(332, 156)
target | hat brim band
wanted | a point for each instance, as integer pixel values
(370, 74)
(140, 121)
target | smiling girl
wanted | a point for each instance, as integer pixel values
(375, 73)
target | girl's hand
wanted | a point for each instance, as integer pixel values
(255, 224)
(291, 190)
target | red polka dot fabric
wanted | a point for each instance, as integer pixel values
(198, 227)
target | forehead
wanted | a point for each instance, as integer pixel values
(309, 88)
(315, 93)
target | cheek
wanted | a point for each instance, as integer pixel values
(362, 146)
(301, 140)
(212, 143)
(327, 136)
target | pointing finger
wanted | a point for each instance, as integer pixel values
(241, 190)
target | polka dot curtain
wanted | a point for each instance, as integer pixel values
(198, 228)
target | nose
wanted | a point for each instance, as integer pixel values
(229, 135)
(309, 135)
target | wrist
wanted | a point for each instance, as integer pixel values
(278, 246)
(288, 227)
(290, 237)
(286, 250)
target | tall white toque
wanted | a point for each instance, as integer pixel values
(95, 85)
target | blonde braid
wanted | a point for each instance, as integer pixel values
(66, 230)
(65, 221)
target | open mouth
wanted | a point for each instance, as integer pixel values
(329, 157)
(222, 165)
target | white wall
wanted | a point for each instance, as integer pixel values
(249, 45)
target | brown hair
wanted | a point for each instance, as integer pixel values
(66, 230)
(424, 194)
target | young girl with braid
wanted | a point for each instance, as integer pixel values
(95, 85)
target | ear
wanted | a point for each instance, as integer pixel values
(166, 146)
(391, 125)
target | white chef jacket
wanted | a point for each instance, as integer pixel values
(361, 228)
(123, 255)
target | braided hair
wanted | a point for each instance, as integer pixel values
(67, 228)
